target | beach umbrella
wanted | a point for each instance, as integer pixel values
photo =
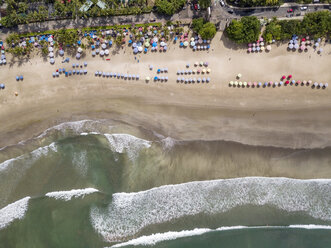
(156, 78)
(249, 49)
(51, 55)
(96, 73)
(231, 83)
(239, 75)
(309, 82)
(262, 48)
(137, 77)
(259, 84)
(147, 44)
(204, 70)
(249, 84)
(97, 51)
(208, 70)
(235, 83)
(280, 83)
(290, 46)
(289, 76)
(147, 79)
(17, 78)
(54, 74)
(255, 84)
(253, 49)
(21, 77)
(276, 83)
(302, 48)
(100, 73)
(320, 85)
(78, 56)
(298, 82)
(258, 49)
(185, 43)
(326, 85)
(52, 61)
(103, 46)
(192, 43)
(61, 52)
(320, 50)
(178, 79)
(50, 49)
(287, 82)
(268, 47)
(140, 49)
(316, 44)
(2, 86)
(102, 53)
(293, 81)
(261, 43)
(315, 84)
(296, 46)
(265, 84)
(93, 53)
(199, 80)
(244, 84)
(135, 50)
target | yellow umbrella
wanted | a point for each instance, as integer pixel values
(240, 83)
(194, 71)
(203, 70)
(231, 83)
(201, 63)
(148, 78)
(235, 83)
(208, 70)
(239, 75)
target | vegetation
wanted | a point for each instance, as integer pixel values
(316, 24)
(245, 30)
(206, 30)
(253, 3)
(204, 4)
(169, 7)
(67, 36)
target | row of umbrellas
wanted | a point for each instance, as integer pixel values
(204, 70)
(3, 61)
(102, 52)
(160, 78)
(69, 73)
(19, 78)
(77, 65)
(201, 47)
(193, 80)
(265, 84)
(201, 63)
(118, 75)
(162, 70)
(258, 49)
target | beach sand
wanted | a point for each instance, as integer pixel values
(291, 116)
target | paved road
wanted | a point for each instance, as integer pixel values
(219, 14)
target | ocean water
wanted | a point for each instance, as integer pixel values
(106, 184)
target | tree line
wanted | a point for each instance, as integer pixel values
(248, 29)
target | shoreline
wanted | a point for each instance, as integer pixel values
(291, 116)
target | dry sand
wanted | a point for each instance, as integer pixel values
(297, 117)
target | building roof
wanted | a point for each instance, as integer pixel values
(86, 6)
(101, 4)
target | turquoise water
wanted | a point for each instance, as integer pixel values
(65, 189)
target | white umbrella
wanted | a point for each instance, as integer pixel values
(102, 53)
(79, 49)
(50, 49)
(107, 52)
(140, 49)
(52, 61)
(268, 47)
(51, 55)
(78, 55)
(97, 51)
(186, 43)
(103, 46)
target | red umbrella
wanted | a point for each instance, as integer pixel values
(283, 77)
(289, 76)
(303, 39)
(287, 82)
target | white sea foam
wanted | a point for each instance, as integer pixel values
(168, 143)
(89, 133)
(68, 195)
(311, 226)
(80, 162)
(76, 126)
(13, 211)
(160, 237)
(129, 213)
(127, 143)
(34, 155)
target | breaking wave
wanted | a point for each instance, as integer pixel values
(127, 143)
(68, 195)
(129, 213)
(13, 211)
(159, 237)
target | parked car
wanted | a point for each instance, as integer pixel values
(230, 11)
(222, 3)
(303, 8)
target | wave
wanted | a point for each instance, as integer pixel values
(129, 213)
(13, 211)
(76, 126)
(160, 237)
(68, 195)
(127, 143)
(34, 155)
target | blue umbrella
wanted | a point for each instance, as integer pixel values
(260, 84)
(60, 70)
(2, 86)
(156, 78)
(195, 47)
(110, 43)
(181, 44)
(293, 81)
(130, 41)
(165, 48)
(208, 79)
(66, 73)
(134, 45)
(158, 70)
(135, 50)
(57, 74)
(126, 76)
(176, 38)
(70, 73)
(100, 73)
(154, 44)
(85, 63)
(17, 78)
(208, 46)
(74, 72)
(79, 42)
(21, 77)
(54, 74)
(114, 74)
(93, 46)
(145, 50)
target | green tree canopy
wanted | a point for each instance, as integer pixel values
(208, 31)
(197, 24)
(169, 7)
(204, 4)
(245, 30)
